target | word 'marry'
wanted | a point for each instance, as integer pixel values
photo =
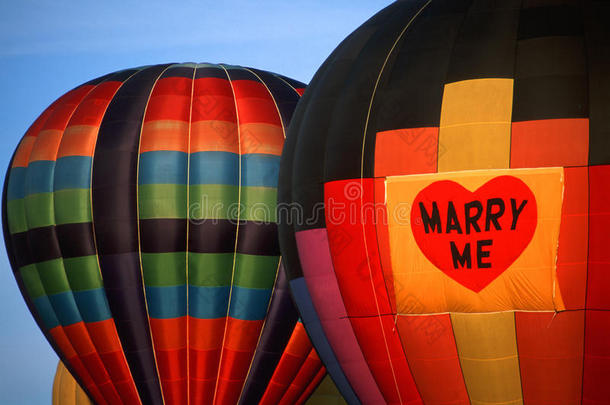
(474, 220)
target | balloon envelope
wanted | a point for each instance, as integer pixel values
(461, 153)
(139, 214)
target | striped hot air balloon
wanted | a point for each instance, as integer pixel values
(139, 218)
(453, 157)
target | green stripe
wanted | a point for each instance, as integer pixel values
(162, 201)
(53, 276)
(15, 214)
(83, 273)
(213, 201)
(258, 204)
(39, 209)
(73, 206)
(210, 269)
(164, 269)
(32, 282)
(252, 271)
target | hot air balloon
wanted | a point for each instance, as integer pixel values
(451, 159)
(139, 219)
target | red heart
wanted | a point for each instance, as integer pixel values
(473, 250)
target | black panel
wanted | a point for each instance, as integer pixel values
(294, 83)
(43, 244)
(597, 28)
(178, 71)
(76, 240)
(114, 187)
(210, 72)
(551, 56)
(20, 250)
(549, 21)
(212, 236)
(163, 235)
(240, 74)
(550, 97)
(258, 238)
(485, 46)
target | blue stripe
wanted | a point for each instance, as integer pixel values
(45, 311)
(93, 305)
(65, 308)
(163, 167)
(214, 168)
(16, 183)
(166, 302)
(208, 302)
(249, 304)
(72, 172)
(39, 177)
(302, 299)
(260, 170)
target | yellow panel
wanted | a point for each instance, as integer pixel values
(65, 389)
(326, 394)
(488, 353)
(529, 283)
(475, 125)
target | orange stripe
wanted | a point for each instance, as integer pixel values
(242, 335)
(261, 138)
(164, 135)
(214, 136)
(79, 337)
(47, 145)
(23, 152)
(78, 140)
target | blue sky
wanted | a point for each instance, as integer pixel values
(49, 47)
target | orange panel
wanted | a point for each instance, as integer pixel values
(430, 348)
(164, 135)
(78, 140)
(550, 356)
(104, 335)
(79, 337)
(261, 138)
(46, 146)
(242, 335)
(556, 142)
(406, 151)
(22, 155)
(214, 136)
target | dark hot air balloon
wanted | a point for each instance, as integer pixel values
(454, 160)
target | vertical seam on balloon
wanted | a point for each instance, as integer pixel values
(36, 263)
(97, 256)
(391, 50)
(224, 336)
(143, 284)
(188, 215)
